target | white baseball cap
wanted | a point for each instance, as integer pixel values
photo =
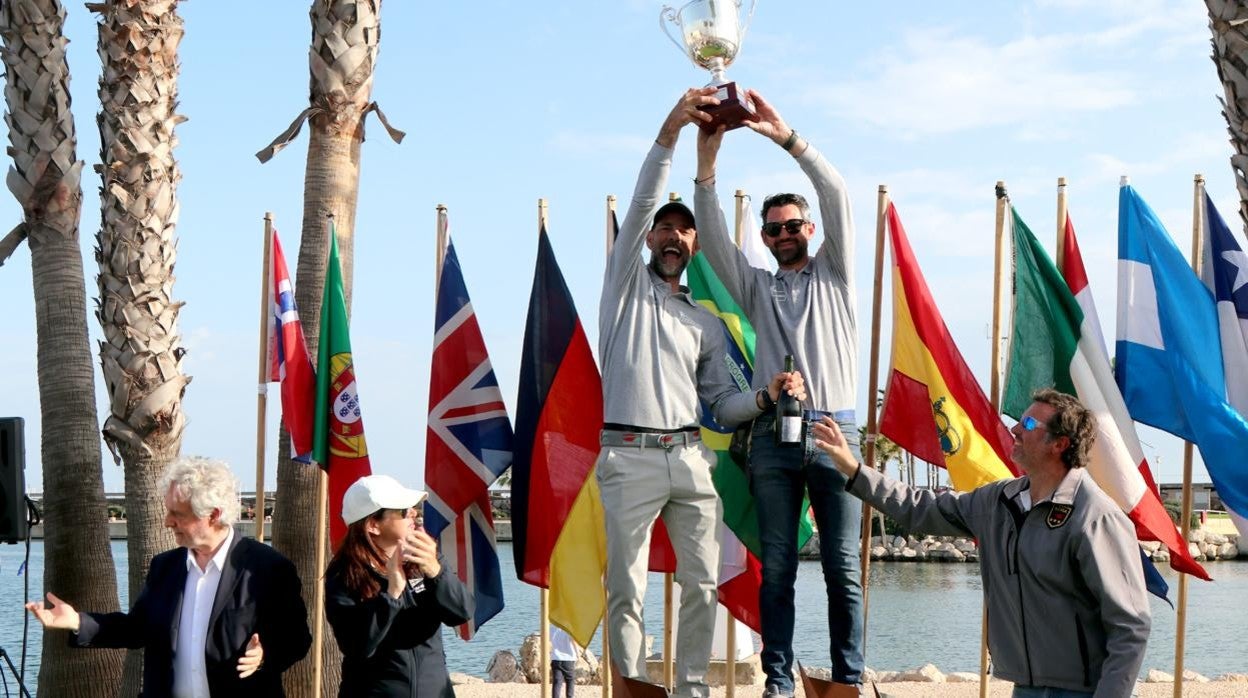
(373, 493)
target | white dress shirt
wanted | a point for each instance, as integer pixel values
(190, 677)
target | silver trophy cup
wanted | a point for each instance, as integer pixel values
(711, 33)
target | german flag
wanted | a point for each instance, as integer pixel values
(933, 406)
(558, 418)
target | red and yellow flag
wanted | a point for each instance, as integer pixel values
(933, 407)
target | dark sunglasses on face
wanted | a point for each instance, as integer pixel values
(793, 226)
(1029, 423)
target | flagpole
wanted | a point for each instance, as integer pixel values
(873, 386)
(1060, 257)
(322, 526)
(606, 625)
(994, 390)
(730, 624)
(544, 640)
(440, 241)
(1185, 521)
(262, 375)
(669, 666)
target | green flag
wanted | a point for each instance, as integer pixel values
(338, 443)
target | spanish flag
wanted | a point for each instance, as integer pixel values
(933, 406)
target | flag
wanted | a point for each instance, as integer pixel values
(338, 443)
(288, 359)
(740, 572)
(933, 407)
(1056, 342)
(1169, 365)
(559, 539)
(1225, 272)
(662, 554)
(468, 443)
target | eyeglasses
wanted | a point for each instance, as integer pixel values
(1029, 423)
(793, 226)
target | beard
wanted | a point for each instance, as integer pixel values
(668, 270)
(791, 254)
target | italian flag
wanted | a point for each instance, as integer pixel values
(1056, 342)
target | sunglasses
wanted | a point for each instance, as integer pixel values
(1029, 423)
(793, 226)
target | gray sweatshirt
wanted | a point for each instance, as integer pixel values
(813, 306)
(1067, 607)
(660, 350)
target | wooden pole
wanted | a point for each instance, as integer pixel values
(318, 603)
(544, 643)
(607, 669)
(669, 583)
(873, 371)
(262, 374)
(994, 391)
(1185, 523)
(1060, 258)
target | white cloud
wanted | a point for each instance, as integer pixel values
(940, 82)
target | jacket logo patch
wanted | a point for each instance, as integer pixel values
(1059, 514)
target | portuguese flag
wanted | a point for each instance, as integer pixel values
(1057, 342)
(933, 407)
(338, 443)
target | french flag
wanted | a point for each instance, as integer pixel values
(289, 362)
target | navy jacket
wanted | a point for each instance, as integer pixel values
(259, 593)
(393, 647)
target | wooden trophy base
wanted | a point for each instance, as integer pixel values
(733, 110)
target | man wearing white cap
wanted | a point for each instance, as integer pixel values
(387, 594)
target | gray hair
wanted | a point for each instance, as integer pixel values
(778, 200)
(205, 484)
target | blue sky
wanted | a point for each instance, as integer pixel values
(507, 102)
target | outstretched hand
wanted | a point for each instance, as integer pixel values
(252, 659)
(830, 440)
(686, 111)
(55, 614)
(708, 150)
(769, 123)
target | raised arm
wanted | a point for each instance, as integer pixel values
(714, 240)
(836, 216)
(648, 192)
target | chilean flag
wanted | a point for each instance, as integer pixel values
(468, 444)
(289, 362)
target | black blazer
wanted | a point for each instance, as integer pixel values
(259, 593)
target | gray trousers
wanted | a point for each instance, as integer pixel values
(638, 485)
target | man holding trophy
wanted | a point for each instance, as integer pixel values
(661, 353)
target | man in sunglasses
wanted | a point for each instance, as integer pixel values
(805, 309)
(1067, 609)
(661, 353)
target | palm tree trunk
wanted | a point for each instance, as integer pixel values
(1228, 21)
(46, 179)
(141, 354)
(345, 42)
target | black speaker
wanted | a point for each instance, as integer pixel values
(13, 526)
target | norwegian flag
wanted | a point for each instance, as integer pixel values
(468, 445)
(289, 362)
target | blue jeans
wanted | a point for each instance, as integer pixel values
(779, 478)
(1039, 692)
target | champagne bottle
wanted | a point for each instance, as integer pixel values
(788, 414)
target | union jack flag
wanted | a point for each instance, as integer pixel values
(289, 362)
(468, 445)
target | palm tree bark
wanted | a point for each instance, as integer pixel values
(46, 179)
(141, 354)
(1228, 22)
(345, 43)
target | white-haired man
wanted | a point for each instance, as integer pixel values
(219, 615)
